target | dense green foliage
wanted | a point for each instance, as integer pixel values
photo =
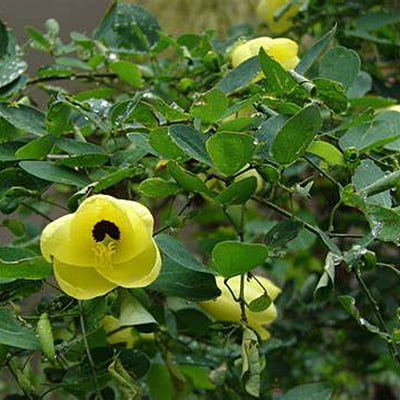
(167, 122)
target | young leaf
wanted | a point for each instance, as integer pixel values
(191, 141)
(238, 192)
(230, 151)
(341, 65)
(296, 135)
(210, 106)
(157, 187)
(235, 258)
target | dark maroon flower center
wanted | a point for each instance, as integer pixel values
(103, 228)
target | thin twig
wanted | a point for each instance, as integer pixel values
(375, 306)
(89, 354)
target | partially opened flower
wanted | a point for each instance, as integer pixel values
(225, 308)
(266, 10)
(282, 50)
(106, 243)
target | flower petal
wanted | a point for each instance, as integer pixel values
(81, 283)
(140, 271)
(134, 235)
(139, 210)
(55, 242)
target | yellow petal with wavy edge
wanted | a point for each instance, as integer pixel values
(240, 54)
(266, 10)
(134, 235)
(81, 283)
(56, 240)
(135, 208)
(140, 271)
(284, 51)
(225, 308)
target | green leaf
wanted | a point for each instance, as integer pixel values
(18, 264)
(365, 176)
(14, 334)
(332, 94)
(58, 118)
(282, 233)
(115, 177)
(128, 26)
(159, 382)
(327, 152)
(278, 81)
(133, 313)
(37, 39)
(187, 180)
(11, 68)
(365, 136)
(260, 303)
(252, 364)
(341, 65)
(296, 135)
(372, 21)
(361, 85)
(177, 280)
(171, 112)
(36, 149)
(230, 151)
(349, 304)
(238, 192)
(175, 251)
(393, 118)
(327, 281)
(311, 391)
(161, 141)
(53, 173)
(384, 222)
(127, 72)
(387, 181)
(210, 106)
(84, 160)
(311, 56)
(23, 117)
(235, 258)
(157, 187)
(241, 76)
(3, 40)
(191, 141)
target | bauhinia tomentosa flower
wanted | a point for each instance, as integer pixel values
(106, 243)
(282, 50)
(225, 308)
(266, 10)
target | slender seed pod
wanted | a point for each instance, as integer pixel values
(45, 335)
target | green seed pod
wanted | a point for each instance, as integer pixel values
(45, 335)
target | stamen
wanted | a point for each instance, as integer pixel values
(103, 254)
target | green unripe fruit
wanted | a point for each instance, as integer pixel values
(45, 335)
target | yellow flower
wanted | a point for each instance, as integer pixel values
(282, 50)
(225, 308)
(106, 243)
(266, 10)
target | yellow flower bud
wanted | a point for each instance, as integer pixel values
(266, 10)
(106, 243)
(225, 308)
(282, 50)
